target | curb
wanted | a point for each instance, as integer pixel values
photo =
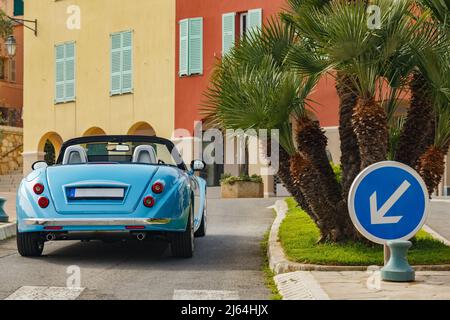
(7, 231)
(279, 263)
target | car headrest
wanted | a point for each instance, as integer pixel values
(75, 155)
(145, 154)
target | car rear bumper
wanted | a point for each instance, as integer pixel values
(105, 222)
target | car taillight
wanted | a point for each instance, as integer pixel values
(158, 187)
(43, 202)
(149, 202)
(38, 188)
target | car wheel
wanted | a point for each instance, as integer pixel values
(29, 244)
(201, 232)
(183, 242)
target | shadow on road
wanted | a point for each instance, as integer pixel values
(215, 252)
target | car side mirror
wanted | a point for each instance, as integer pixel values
(198, 165)
(39, 165)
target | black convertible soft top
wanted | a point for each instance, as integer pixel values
(122, 139)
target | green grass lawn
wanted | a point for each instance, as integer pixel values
(299, 235)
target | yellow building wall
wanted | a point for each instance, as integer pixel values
(153, 23)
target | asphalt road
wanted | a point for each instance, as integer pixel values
(227, 262)
(439, 218)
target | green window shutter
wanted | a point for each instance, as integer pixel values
(59, 76)
(116, 63)
(127, 62)
(184, 48)
(195, 63)
(254, 20)
(69, 72)
(18, 8)
(228, 32)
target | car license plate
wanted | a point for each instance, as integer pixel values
(97, 193)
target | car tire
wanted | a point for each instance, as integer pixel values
(183, 242)
(201, 232)
(30, 244)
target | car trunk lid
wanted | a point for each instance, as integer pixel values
(99, 188)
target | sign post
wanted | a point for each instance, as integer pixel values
(388, 203)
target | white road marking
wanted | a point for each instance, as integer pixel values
(300, 285)
(45, 293)
(205, 295)
(378, 216)
(436, 235)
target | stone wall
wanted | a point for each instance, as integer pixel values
(11, 148)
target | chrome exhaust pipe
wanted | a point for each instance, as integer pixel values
(50, 237)
(141, 236)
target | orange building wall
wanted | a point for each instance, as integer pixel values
(189, 90)
(11, 93)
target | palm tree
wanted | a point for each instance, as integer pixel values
(348, 97)
(254, 88)
(419, 129)
(266, 80)
(435, 67)
(431, 165)
(344, 44)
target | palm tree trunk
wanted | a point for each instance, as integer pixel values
(431, 167)
(350, 158)
(418, 132)
(312, 143)
(370, 125)
(323, 214)
(311, 140)
(284, 173)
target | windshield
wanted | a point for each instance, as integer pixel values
(123, 153)
(147, 150)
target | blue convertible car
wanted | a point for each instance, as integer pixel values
(110, 188)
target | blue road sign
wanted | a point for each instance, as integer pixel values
(388, 201)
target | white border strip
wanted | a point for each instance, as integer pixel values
(7, 231)
(436, 235)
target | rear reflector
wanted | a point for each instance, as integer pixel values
(38, 188)
(53, 228)
(43, 202)
(158, 187)
(135, 227)
(149, 202)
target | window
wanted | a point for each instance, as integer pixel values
(247, 21)
(2, 68)
(18, 8)
(8, 69)
(243, 24)
(254, 20)
(228, 32)
(65, 73)
(122, 63)
(12, 70)
(191, 47)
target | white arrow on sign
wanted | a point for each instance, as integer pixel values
(379, 216)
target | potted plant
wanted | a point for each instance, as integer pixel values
(243, 186)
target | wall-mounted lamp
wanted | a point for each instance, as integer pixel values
(11, 46)
(11, 43)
